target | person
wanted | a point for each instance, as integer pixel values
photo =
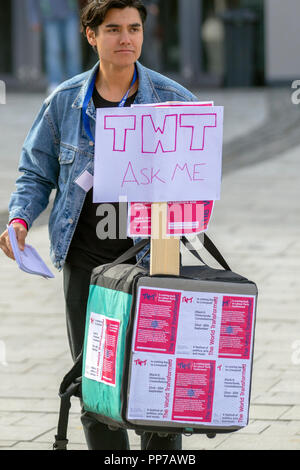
(60, 148)
(59, 21)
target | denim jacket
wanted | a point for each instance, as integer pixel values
(57, 151)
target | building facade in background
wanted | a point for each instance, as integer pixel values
(199, 42)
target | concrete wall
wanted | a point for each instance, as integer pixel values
(282, 35)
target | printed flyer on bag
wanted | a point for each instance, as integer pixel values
(191, 357)
(103, 335)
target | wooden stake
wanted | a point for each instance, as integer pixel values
(165, 251)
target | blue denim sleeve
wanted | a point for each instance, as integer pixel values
(39, 166)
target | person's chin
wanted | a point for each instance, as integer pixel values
(126, 59)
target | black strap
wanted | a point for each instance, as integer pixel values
(131, 253)
(207, 243)
(213, 250)
(210, 247)
(61, 440)
(70, 386)
(186, 242)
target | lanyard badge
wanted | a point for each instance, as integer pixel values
(85, 117)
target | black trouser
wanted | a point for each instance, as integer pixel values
(98, 435)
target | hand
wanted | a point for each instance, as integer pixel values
(21, 234)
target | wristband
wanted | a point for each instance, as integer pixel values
(19, 221)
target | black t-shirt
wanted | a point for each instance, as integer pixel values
(86, 250)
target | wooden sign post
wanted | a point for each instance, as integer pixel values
(165, 251)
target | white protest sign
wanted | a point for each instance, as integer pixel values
(158, 154)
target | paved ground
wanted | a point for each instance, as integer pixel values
(257, 227)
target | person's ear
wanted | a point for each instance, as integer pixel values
(91, 36)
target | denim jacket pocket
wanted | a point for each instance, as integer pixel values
(66, 155)
(66, 160)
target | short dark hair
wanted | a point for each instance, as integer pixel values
(94, 13)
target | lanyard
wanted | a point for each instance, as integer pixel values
(87, 99)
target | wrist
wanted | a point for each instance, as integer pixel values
(19, 221)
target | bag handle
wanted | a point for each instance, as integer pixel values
(131, 253)
(210, 247)
(207, 243)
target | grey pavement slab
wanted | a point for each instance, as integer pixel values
(256, 225)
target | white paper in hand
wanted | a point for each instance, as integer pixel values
(28, 260)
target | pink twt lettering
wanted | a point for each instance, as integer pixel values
(153, 138)
(198, 123)
(120, 125)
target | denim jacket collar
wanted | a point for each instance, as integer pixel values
(146, 91)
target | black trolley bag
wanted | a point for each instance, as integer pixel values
(165, 354)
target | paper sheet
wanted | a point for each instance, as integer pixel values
(28, 260)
